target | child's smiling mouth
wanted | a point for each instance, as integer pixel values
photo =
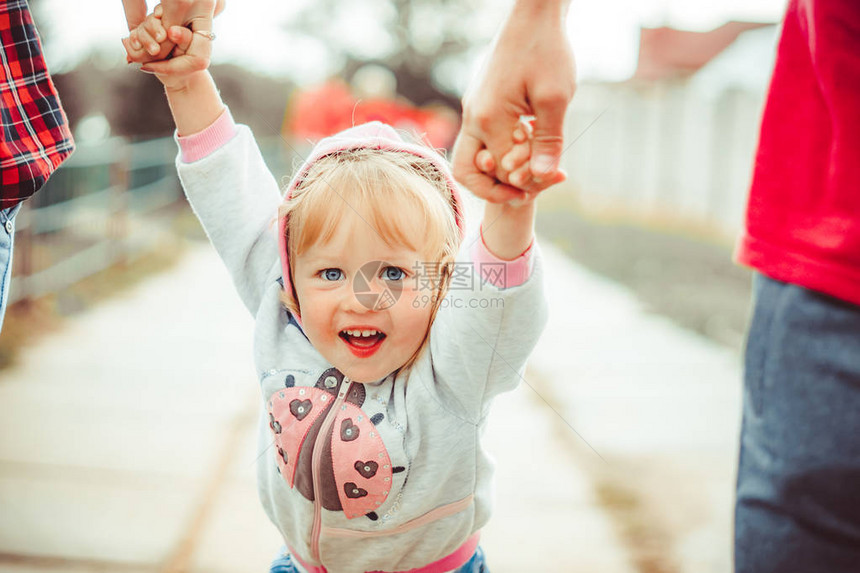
(362, 342)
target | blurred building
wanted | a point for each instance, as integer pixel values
(666, 53)
(675, 142)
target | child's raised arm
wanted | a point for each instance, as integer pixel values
(220, 166)
(192, 95)
(508, 228)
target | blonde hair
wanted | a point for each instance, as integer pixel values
(401, 195)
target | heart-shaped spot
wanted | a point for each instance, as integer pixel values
(366, 469)
(300, 408)
(274, 424)
(348, 430)
(352, 491)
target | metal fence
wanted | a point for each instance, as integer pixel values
(664, 151)
(95, 211)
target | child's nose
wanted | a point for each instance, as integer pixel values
(360, 298)
(367, 295)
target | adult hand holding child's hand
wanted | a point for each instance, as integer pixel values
(530, 72)
(143, 47)
(194, 101)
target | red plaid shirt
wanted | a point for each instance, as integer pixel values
(36, 136)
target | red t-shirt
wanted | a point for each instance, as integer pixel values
(803, 215)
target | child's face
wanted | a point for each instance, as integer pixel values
(356, 283)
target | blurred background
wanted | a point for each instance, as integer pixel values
(660, 141)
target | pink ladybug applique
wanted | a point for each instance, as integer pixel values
(355, 471)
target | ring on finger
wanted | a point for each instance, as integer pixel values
(208, 34)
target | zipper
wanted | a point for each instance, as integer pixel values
(315, 466)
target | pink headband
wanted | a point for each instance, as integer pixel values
(373, 135)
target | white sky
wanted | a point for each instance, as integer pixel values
(604, 32)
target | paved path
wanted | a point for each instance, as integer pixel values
(656, 413)
(128, 444)
(121, 433)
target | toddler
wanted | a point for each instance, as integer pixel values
(383, 329)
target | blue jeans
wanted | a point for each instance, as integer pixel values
(7, 236)
(798, 490)
(283, 564)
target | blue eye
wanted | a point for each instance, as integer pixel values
(393, 274)
(331, 274)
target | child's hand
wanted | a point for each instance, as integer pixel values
(148, 41)
(191, 56)
(511, 162)
(191, 53)
(513, 169)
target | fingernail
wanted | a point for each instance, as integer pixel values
(153, 49)
(159, 36)
(135, 44)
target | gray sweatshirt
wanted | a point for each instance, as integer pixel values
(383, 476)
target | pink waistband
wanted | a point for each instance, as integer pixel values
(448, 563)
